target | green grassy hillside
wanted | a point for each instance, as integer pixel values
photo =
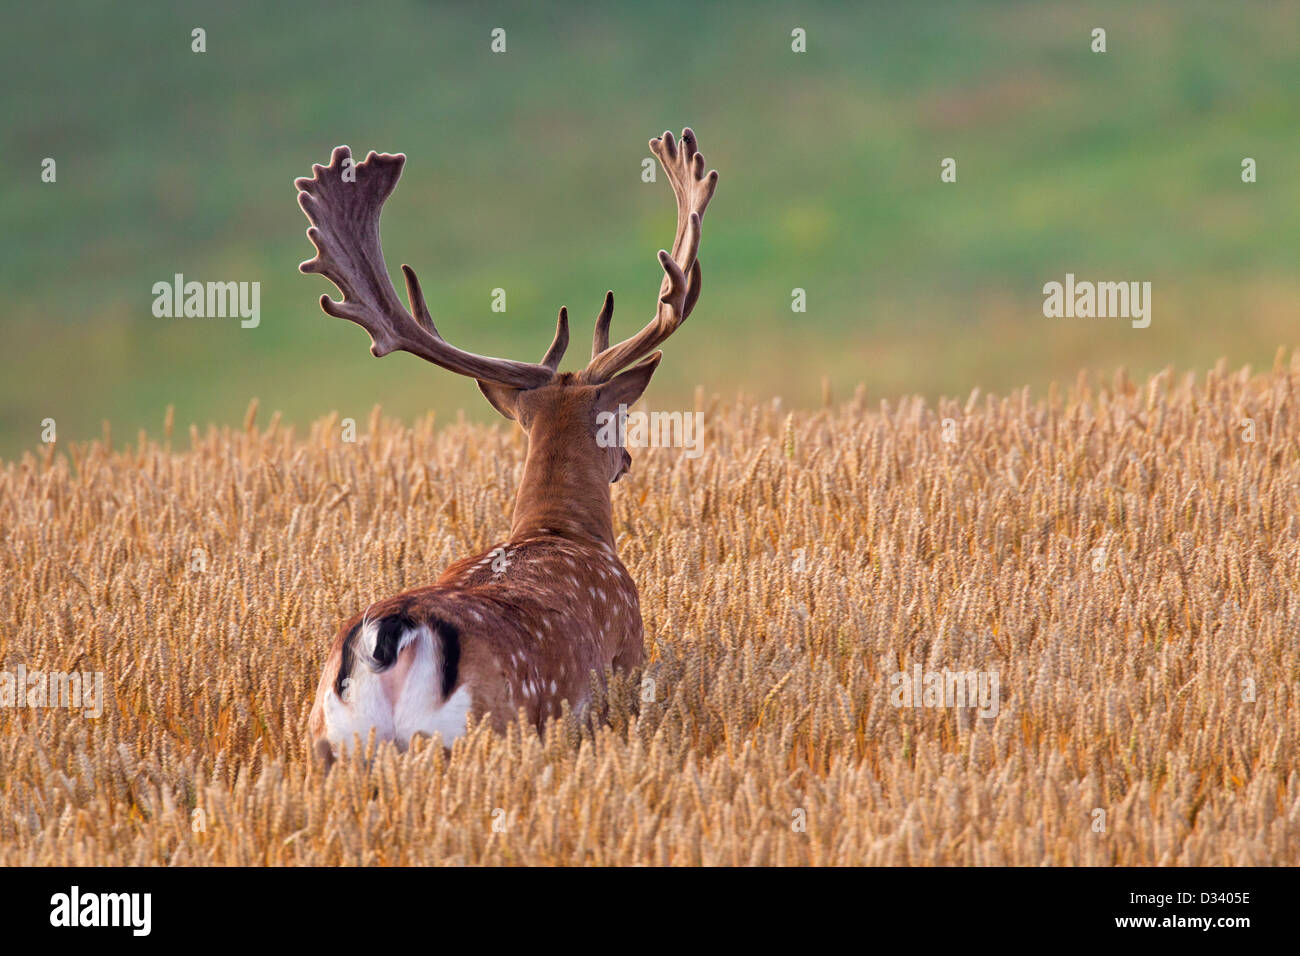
(524, 173)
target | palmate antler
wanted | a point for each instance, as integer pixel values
(684, 166)
(344, 218)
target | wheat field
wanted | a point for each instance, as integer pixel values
(1123, 557)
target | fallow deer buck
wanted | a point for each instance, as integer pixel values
(558, 606)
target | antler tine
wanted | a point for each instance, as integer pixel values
(600, 338)
(558, 344)
(680, 289)
(344, 216)
(415, 296)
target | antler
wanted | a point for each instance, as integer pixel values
(680, 289)
(344, 217)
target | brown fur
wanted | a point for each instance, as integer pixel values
(563, 607)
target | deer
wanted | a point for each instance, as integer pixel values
(543, 617)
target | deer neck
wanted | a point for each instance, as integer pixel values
(564, 490)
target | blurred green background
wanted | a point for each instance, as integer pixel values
(524, 172)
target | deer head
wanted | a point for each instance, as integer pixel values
(558, 410)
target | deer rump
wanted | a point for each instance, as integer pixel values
(397, 675)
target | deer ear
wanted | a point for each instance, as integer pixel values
(626, 387)
(502, 397)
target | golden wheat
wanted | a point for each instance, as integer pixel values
(1122, 558)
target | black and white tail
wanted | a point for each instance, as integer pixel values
(397, 675)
